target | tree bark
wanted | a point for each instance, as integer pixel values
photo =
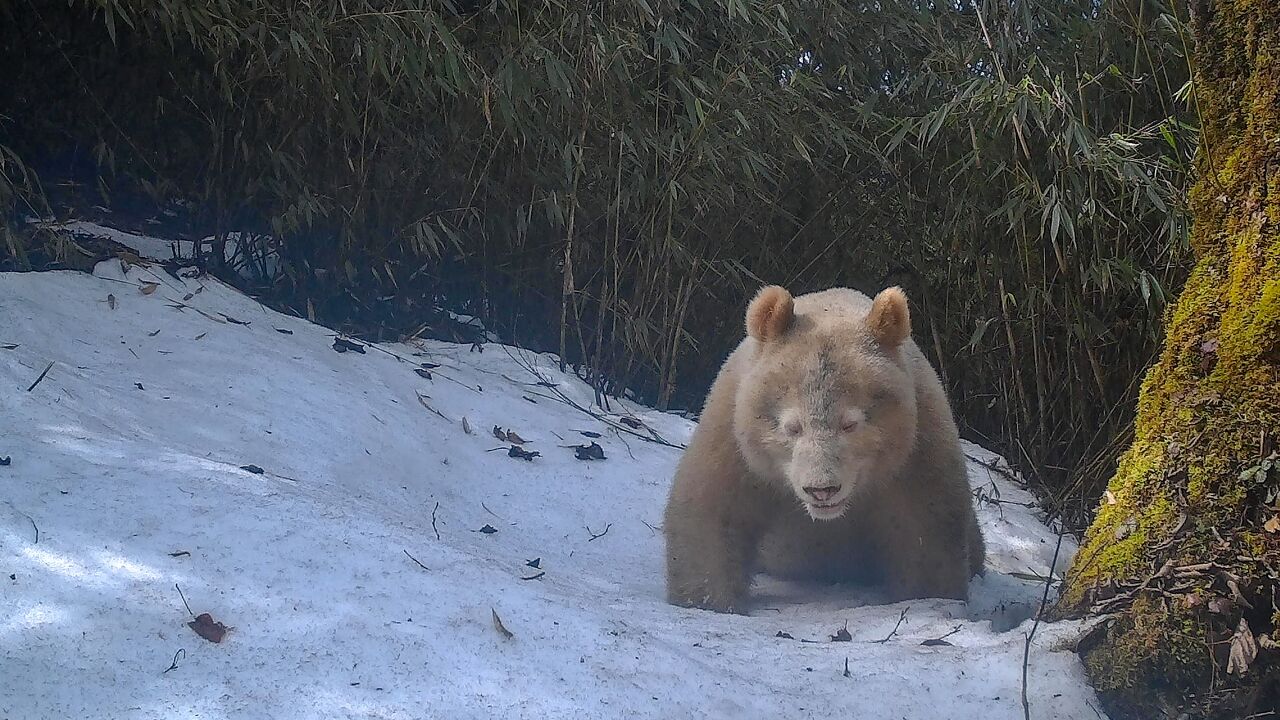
(1184, 554)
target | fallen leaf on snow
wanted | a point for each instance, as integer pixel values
(111, 301)
(497, 624)
(253, 469)
(516, 451)
(6, 461)
(488, 529)
(842, 635)
(466, 426)
(283, 331)
(508, 436)
(208, 628)
(423, 373)
(148, 287)
(342, 346)
(787, 636)
(589, 452)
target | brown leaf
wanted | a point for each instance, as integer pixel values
(342, 345)
(1244, 649)
(466, 426)
(1272, 525)
(588, 452)
(497, 624)
(508, 436)
(631, 422)
(1110, 496)
(148, 287)
(516, 451)
(842, 635)
(208, 628)
(111, 301)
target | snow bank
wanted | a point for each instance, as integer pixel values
(360, 570)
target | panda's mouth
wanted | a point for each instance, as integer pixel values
(827, 511)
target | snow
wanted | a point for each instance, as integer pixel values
(127, 458)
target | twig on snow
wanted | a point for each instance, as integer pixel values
(184, 600)
(901, 616)
(1044, 600)
(47, 368)
(174, 665)
(406, 552)
(433, 520)
(593, 533)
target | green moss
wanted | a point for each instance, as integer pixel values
(1215, 388)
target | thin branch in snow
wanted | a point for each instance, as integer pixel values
(486, 509)
(47, 368)
(433, 520)
(1044, 600)
(565, 399)
(184, 600)
(535, 576)
(406, 552)
(182, 653)
(423, 399)
(901, 616)
(593, 533)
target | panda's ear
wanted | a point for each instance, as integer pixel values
(889, 320)
(770, 314)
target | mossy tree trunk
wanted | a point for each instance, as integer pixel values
(1184, 553)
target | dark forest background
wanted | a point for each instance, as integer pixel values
(613, 180)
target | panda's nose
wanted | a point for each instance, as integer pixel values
(822, 494)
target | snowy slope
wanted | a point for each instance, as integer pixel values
(127, 457)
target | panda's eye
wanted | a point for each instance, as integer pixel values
(849, 425)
